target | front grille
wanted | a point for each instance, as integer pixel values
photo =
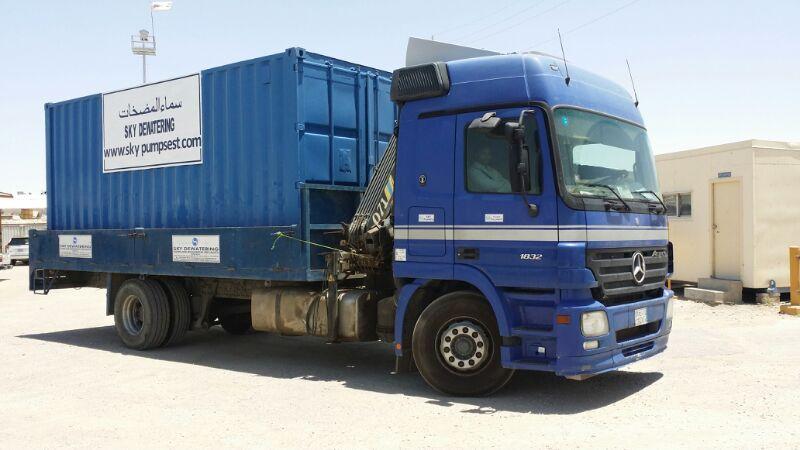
(612, 269)
(629, 334)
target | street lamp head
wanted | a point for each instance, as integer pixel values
(144, 35)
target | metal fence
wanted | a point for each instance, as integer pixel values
(12, 230)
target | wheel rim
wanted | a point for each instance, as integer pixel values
(132, 315)
(464, 345)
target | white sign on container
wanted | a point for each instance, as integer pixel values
(75, 246)
(156, 125)
(198, 248)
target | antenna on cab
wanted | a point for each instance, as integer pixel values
(563, 56)
(633, 85)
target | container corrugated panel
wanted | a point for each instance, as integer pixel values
(270, 125)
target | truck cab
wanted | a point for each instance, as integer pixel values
(561, 228)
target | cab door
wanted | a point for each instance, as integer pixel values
(494, 228)
(423, 209)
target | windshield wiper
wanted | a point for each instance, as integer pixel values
(613, 191)
(647, 191)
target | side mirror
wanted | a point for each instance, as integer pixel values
(488, 123)
(523, 138)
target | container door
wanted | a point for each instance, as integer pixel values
(494, 230)
(727, 230)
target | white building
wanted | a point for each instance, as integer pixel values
(733, 211)
(20, 213)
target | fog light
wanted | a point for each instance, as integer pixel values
(670, 307)
(590, 345)
(594, 323)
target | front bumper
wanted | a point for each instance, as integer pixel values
(561, 349)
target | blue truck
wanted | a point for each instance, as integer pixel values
(482, 215)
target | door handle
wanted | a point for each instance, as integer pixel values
(467, 253)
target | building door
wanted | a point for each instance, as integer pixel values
(727, 230)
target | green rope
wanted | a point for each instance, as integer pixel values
(281, 234)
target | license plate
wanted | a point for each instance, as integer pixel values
(640, 317)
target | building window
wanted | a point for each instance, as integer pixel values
(679, 205)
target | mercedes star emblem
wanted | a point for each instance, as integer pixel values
(638, 267)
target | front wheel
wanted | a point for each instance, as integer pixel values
(456, 346)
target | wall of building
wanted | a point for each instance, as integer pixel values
(776, 211)
(695, 171)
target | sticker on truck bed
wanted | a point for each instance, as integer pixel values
(75, 246)
(155, 125)
(197, 248)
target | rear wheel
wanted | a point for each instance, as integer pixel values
(141, 314)
(456, 346)
(13, 262)
(180, 311)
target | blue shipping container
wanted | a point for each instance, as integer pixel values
(288, 140)
(269, 124)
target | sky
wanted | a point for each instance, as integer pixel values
(707, 71)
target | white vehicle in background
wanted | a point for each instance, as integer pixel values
(17, 250)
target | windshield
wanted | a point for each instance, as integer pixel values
(598, 153)
(18, 241)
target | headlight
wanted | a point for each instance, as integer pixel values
(670, 304)
(594, 323)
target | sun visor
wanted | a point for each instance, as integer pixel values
(423, 51)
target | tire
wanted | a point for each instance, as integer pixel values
(13, 262)
(180, 311)
(141, 314)
(237, 324)
(466, 371)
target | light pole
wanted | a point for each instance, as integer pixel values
(145, 43)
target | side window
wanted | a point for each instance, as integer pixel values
(685, 205)
(671, 200)
(679, 205)
(491, 163)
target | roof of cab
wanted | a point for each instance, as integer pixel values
(505, 80)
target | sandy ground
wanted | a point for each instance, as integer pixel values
(730, 378)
